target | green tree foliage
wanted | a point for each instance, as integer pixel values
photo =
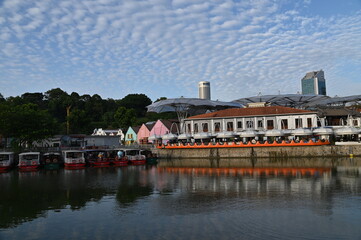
(86, 112)
(125, 117)
(26, 122)
(138, 102)
(79, 121)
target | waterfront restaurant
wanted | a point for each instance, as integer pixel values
(251, 118)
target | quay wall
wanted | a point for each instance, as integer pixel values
(262, 152)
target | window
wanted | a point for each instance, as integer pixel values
(249, 124)
(270, 124)
(298, 123)
(260, 124)
(239, 124)
(196, 127)
(309, 122)
(284, 124)
(188, 127)
(229, 126)
(355, 122)
(217, 126)
(205, 127)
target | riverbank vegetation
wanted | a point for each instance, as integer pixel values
(35, 116)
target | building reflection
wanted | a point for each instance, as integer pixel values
(177, 189)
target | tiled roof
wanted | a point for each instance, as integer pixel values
(256, 111)
(168, 123)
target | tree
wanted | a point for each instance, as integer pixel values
(2, 99)
(160, 99)
(26, 123)
(125, 117)
(79, 122)
(138, 102)
(58, 101)
(35, 98)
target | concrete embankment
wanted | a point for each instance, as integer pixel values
(262, 152)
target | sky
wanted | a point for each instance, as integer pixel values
(163, 48)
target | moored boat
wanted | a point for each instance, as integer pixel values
(6, 161)
(29, 161)
(74, 159)
(151, 158)
(51, 160)
(135, 157)
(118, 157)
(97, 157)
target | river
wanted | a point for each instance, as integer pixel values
(185, 199)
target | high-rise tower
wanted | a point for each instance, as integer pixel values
(314, 83)
(204, 90)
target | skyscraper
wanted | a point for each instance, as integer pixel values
(314, 83)
(204, 90)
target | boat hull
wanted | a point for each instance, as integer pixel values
(29, 167)
(137, 162)
(120, 163)
(100, 164)
(74, 165)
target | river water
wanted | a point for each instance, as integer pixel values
(186, 199)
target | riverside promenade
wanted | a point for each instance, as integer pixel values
(333, 151)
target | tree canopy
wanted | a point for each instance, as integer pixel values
(36, 116)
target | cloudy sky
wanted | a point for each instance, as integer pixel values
(165, 47)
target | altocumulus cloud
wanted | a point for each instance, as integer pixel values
(163, 47)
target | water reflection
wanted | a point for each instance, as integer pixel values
(259, 200)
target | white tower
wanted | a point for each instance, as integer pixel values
(204, 90)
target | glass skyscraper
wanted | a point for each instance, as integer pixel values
(314, 83)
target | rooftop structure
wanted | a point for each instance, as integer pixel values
(314, 83)
(204, 90)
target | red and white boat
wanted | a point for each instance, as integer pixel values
(135, 157)
(6, 161)
(29, 161)
(74, 159)
(97, 157)
(118, 157)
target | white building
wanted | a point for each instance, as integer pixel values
(109, 132)
(255, 118)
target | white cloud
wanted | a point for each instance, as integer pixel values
(243, 48)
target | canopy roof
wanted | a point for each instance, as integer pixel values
(300, 100)
(287, 100)
(189, 106)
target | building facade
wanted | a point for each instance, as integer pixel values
(252, 118)
(314, 83)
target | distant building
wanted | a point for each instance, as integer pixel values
(131, 135)
(252, 118)
(204, 90)
(314, 83)
(144, 132)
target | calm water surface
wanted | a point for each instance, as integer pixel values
(184, 200)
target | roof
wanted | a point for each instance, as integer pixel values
(287, 100)
(136, 129)
(337, 111)
(256, 111)
(149, 125)
(169, 123)
(312, 74)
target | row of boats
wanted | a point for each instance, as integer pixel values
(74, 159)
